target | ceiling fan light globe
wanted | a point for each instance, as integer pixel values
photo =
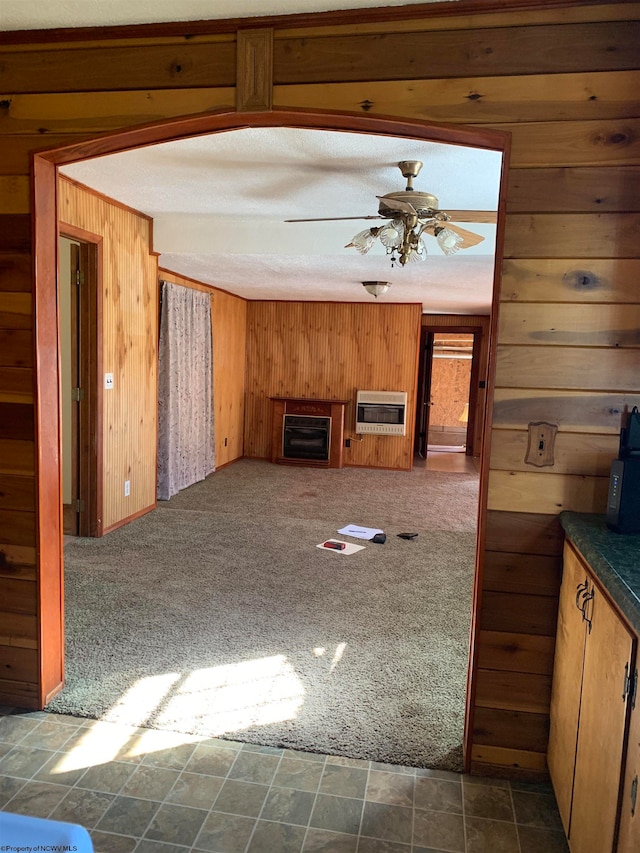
(416, 256)
(448, 240)
(363, 241)
(391, 234)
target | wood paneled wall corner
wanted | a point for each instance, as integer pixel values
(129, 307)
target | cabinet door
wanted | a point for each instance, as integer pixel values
(629, 838)
(567, 684)
(601, 731)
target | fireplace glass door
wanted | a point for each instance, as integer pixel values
(306, 437)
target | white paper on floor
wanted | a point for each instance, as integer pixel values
(349, 547)
(360, 532)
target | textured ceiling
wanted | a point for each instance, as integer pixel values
(47, 14)
(219, 204)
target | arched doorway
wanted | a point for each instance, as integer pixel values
(46, 364)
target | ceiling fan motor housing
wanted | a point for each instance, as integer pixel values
(424, 203)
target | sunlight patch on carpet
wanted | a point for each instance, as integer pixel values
(142, 699)
(231, 697)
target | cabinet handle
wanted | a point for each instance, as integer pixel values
(588, 596)
(634, 795)
(580, 591)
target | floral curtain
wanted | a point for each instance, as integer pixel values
(186, 452)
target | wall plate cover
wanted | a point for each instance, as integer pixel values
(540, 448)
(108, 381)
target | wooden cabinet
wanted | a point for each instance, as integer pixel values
(629, 838)
(567, 685)
(590, 704)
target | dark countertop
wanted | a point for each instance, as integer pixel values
(614, 558)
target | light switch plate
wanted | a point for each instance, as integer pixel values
(108, 381)
(541, 444)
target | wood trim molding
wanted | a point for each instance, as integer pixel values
(73, 232)
(162, 271)
(380, 14)
(254, 75)
(225, 119)
(130, 518)
(48, 433)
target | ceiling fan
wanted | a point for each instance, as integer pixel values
(412, 214)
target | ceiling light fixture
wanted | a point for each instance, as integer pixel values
(376, 288)
(412, 215)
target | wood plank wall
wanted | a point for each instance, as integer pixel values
(329, 351)
(563, 79)
(229, 329)
(129, 347)
(20, 649)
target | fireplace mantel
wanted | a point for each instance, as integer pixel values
(334, 410)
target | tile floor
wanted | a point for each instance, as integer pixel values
(148, 791)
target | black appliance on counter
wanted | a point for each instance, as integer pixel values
(623, 504)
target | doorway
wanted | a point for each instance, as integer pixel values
(79, 333)
(451, 364)
(45, 173)
(453, 369)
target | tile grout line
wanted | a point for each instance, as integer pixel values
(187, 847)
(160, 803)
(32, 779)
(76, 785)
(213, 802)
(464, 814)
(515, 821)
(46, 761)
(364, 802)
(413, 813)
(255, 825)
(12, 745)
(313, 805)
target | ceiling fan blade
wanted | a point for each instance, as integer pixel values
(396, 204)
(335, 218)
(480, 216)
(469, 239)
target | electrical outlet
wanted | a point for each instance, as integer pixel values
(108, 381)
(127, 488)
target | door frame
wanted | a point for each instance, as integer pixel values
(476, 415)
(423, 394)
(69, 351)
(90, 372)
(46, 366)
